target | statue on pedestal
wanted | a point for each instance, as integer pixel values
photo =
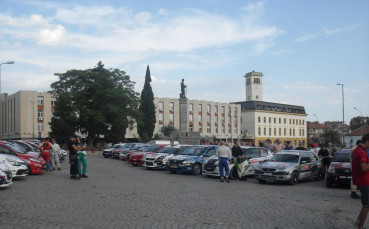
(183, 90)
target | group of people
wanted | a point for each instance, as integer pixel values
(50, 153)
(77, 158)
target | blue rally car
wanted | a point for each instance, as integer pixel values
(191, 160)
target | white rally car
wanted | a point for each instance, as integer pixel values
(160, 158)
(17, 166)
(253, 156)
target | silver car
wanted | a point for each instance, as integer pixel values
(290, 166)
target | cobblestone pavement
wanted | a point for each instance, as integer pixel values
(119, 195)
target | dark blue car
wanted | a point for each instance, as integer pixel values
(192, 159)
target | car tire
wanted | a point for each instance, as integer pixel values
(29, 170)
(196, 169)
(294, 178)
(329, 183)
(233, 174)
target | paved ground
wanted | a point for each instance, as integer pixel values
(118, 195)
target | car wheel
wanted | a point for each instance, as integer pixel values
(196, 170)
(29, 170)
(233, 174)
(294, 178)
(261, 181)
(329, 183)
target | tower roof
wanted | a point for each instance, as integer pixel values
(253, 73)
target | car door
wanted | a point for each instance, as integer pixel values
(305, 165)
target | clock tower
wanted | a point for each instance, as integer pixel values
(254, 86)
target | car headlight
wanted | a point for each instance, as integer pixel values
(35, 160)
(14, 162)
(281, 170)
(331, 169)
(188, 161)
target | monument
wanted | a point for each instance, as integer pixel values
(183, 108)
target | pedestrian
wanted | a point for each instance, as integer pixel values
(332, 150)
(288, 146)
(73, 157)
(82, 161)
(238, 155)
(315, 148)
(301, 147)
(224, 155)
(55, 151)
(360, 177)
(353, 187)
(45, 152)
(99, 147)
(277, 146)
(323, 154)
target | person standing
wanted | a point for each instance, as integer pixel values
(277, 146)
(360, 177)
(238, 155)
(301, 147)
(353, 187)
(323, 154)
(224, 155)
(55, 151)
(73, 158)
(82, 161)
(45, 149)
(288, 146)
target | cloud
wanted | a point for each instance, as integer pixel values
(52, 36)
(326, 32)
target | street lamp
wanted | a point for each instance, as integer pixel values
(343, 113)
(316, 118)
(361, 115)
(9, 62)
(33, 119)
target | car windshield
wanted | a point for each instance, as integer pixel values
(117, 146)
(152, 148)
(168, 150)
(16, 149)
(341, 157)
(137, 147)
(195, 151)
(294, 158)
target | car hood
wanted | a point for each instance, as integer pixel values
(3, 166)
(184, 157)
(277, 165)
(155, 155)
(340, 165)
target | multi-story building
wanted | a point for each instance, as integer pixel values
(315, 130)
(209, 119)
(26, 115)
(265, 120)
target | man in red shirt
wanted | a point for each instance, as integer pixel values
(44, 149)
(360, 177)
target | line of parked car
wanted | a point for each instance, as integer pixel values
(289, 166)
(19, 159)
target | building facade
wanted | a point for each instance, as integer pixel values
(26, 115)
(209, 119)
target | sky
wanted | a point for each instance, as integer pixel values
(303, 48)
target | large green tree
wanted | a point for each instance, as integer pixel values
(96, 102)
(330, 136)
(147, 107)
(358, 121)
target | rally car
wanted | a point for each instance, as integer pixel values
(17, 166)
(6, 178)
(160, 158)
(252, 157)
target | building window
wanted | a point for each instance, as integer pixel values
(208, 118)
(280, 132)
(235, 110)
(275, 120)
(191, 128)
(161, 106)
(223, 130)
(303, 132)
(270, 131)
(293, 132)
(259, 131)
(259, 119)
(208, 129)
(270, 120)
(190, 108)
(284, 132)
(200, 108)
(40, 115)
(161, 117)
(40, 101)
(290, 132)
(229, 110)
(257, 97)
(216, 109)
(235, 130)
(293, 121)
(284, 120)
(229, 130)
(300, 122)
(171, 118)
(53, 100)
(40, 127)
(299, 132)
(265, 132)
(208, 108)
(171, 107)
(200, 118)
(223, 110)
(280, 120)
(290, 122)
(200, 128)
(190, 118)
(216, 129)
(161, 128)
(265, 119)
(223, 120)
(275, 131)
(303, 122)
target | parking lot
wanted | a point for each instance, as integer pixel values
(118, 195)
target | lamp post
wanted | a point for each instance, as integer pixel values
(361, 114)
(9, 62)
(343, 113)
(33, 119)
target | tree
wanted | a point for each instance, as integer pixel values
(167, 130)
(330, 136)
(358, 121)
(95, 102)
(147, 107)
